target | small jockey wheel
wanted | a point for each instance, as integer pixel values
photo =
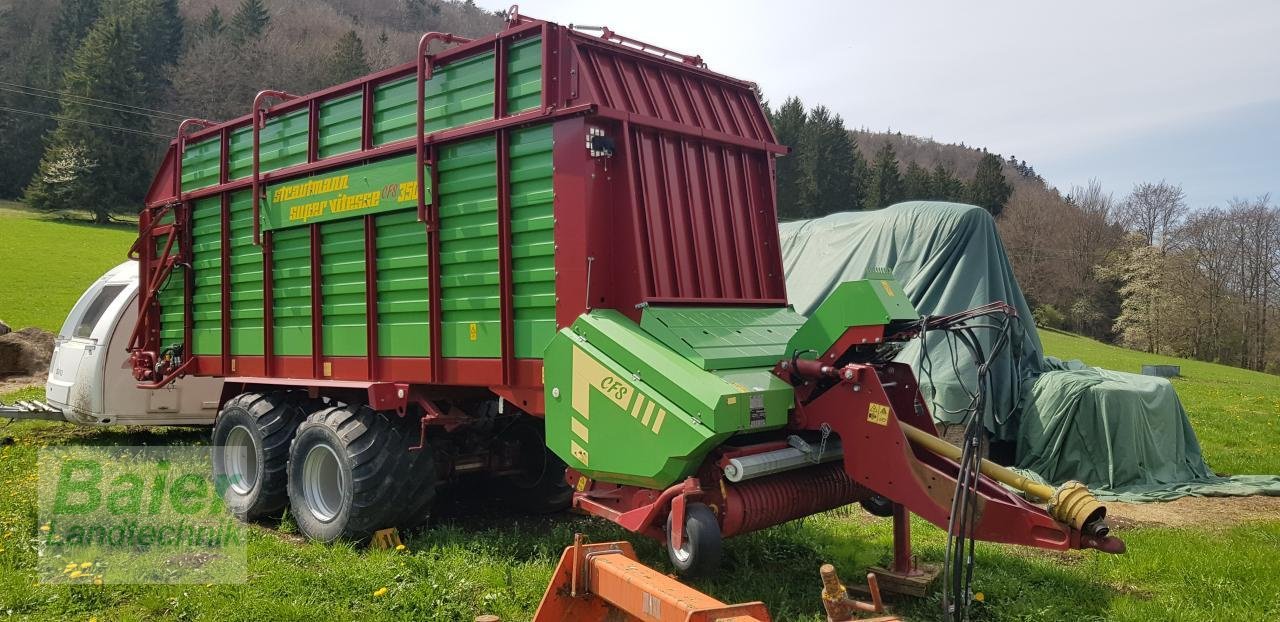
(701, 543)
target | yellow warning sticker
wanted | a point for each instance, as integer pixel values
(888, 289)
(475, 332)
(582, 483)
(878, 414)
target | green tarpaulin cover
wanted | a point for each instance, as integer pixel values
(1126, 436)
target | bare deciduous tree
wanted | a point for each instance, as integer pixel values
(1153, 210)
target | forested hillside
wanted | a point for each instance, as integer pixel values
(1142, 268)
(92, 90)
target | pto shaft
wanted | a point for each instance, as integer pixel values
(1071, 503)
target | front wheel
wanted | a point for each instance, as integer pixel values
(700, 552)
(250, 450)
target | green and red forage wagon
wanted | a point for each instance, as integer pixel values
(543, 238)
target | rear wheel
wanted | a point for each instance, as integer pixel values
(699, 554)
(250, 452)
(350, 473)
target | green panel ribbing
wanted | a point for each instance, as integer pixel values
(393, 114)
(200, 164)
(458, 93)
(342, 288)
(291, 290)
(246, 279)
(532, 241)
(240, 154)
(339, 126)
(206, 265)
(524, 75)
(404, 285)
(470, 314)
(283, 141)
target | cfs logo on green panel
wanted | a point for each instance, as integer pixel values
(589, 375)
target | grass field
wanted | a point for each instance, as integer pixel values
(481, 559)
(46, 263)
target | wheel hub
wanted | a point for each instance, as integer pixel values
(241, 461)
(322, 484)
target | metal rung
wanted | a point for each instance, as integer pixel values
(30, 409)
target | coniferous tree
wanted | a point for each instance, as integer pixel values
(157, 27)
(27, 56)
(945, 185)
(348, 60)
(989, 189)
(212, 25)
(73, 23)
(832, 169)
(88, 167)
(250, 21)
(788, 124)
(917, 185)
(884, 183)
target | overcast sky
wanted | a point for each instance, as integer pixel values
(1121, 91)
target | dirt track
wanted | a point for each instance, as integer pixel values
(1201, 512)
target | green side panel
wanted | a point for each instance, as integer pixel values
(469, 292)
(724, 337)
(291, 291)
(622, 407)
(283, 141)
(382, 186)
(524, 75)
(393, 110)
(533, 244)
(458, 93)
(339, 124)
(171, 297)
(404, 285)
(342, 288)
(200, 163)
(246, 278)
(240, 158)
(869, 302)
(206, 263)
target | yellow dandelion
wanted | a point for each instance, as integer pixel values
(400, 547)
(76, 574)
(382, 591)
(45, 528)
(97, 581)
(980, 597)
(86, 565)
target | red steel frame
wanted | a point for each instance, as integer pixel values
(639, 94)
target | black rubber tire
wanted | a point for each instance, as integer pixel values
(703, 542)
(877, 506)
(271, 420)
(420, 487)
(373, 464)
